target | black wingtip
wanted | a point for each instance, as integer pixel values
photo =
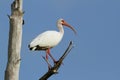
(30, 48)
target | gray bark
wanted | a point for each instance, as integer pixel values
(15, 39)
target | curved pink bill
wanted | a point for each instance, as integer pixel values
(66, 24)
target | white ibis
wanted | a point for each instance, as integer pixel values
(49, 39)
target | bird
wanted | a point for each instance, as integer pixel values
(49, 39)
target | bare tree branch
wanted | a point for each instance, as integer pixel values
(55, 68)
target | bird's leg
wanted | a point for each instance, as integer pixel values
(49, 66)
(48, 51)
(46, 56)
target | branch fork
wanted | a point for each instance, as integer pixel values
(54, 69)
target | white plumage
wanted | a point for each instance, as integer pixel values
(49, 39)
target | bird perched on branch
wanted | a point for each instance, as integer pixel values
(49, 39)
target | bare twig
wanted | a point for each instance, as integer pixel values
(55, 68)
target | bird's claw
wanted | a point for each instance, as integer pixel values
(55, 62)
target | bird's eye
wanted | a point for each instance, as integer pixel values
(62, 21)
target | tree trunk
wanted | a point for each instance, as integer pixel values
(15, 39)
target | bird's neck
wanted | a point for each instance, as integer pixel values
(60, 27)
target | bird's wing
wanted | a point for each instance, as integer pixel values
(47, 38)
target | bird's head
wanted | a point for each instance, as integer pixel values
(64, 23)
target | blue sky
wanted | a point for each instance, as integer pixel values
(97, 44)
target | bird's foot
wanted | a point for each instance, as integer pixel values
(55, 62)
(49, 67)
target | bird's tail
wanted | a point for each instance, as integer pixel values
(31, 48)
